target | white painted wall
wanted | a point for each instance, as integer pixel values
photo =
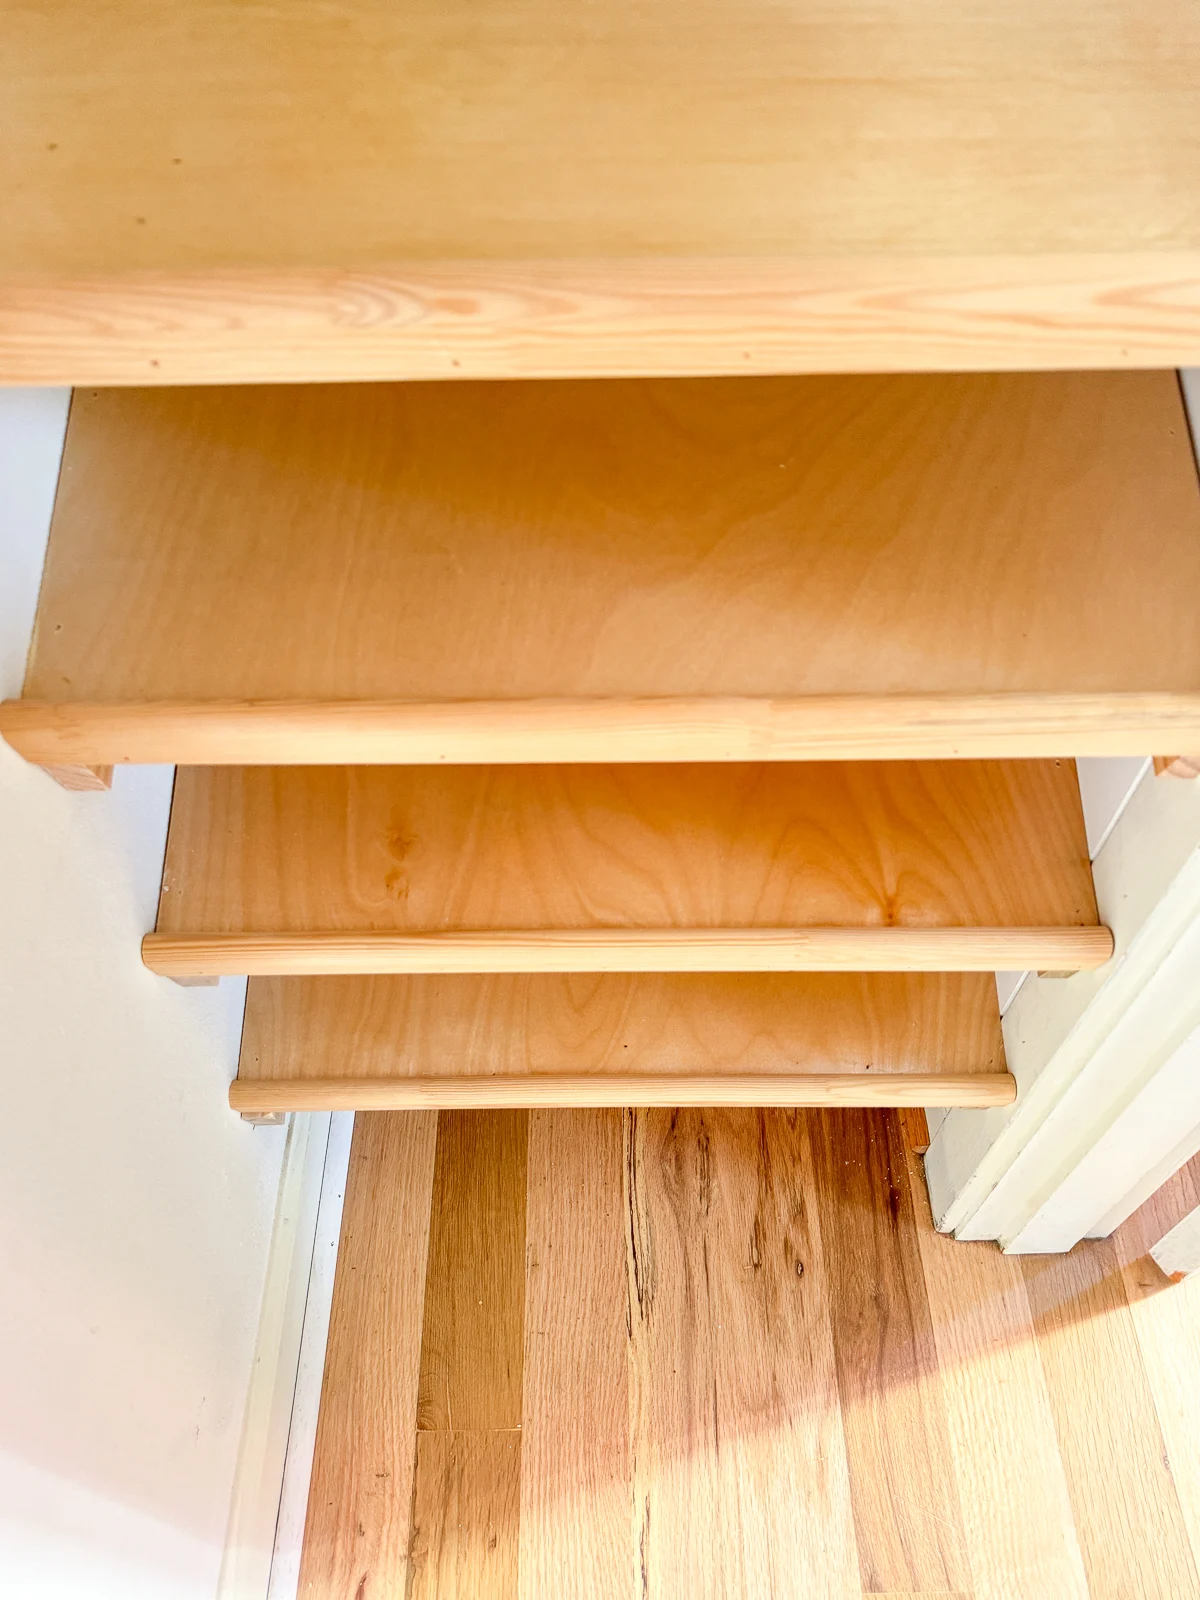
(135, 1209)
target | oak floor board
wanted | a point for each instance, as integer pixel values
(1020, 1532)
(1166, 1320)
(577, 1513)
(738, 1465)
(357, 1534)
(905, 1495)
(1127, 1510)
(503, 545)
(1168, 1334)
(465, 1516)
(734, 845)
(473, 1332)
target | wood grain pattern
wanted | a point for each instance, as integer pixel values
(616, 541)
(471, 1350)
(845, 160)
(789, 1430)
(615, 319)
(737, 1458)
(257, 1097)
(434, 850)
(1054, 952)
(1017, 1521)
(461, 1031)
(576, 1498)
(1127, 1512)
(467, 1474)
(82, 778)
(612, 729)
(905, 1495)
(357, 1533)
(465, 1517)
(1168, 1335)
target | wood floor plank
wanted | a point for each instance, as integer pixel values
(472, 1347)
(1127, 1509)
(467, 1473)
(416, 850)
(1020, 1532)
(1166, 1319)
(905, 1496)
(576, 1497)
(737, 1458)
(466, 1508)
(357, 1534)
(1168, 1333)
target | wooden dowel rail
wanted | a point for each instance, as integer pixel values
(697, 728)
(886, 949)
(259, 1096)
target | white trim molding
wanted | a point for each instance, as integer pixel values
(266, 1429)
(1107, 1063)
(306, 1404)
(1108, 1091)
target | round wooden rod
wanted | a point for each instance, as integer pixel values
(262, 1096)
(889, 949)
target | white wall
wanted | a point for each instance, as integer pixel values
(135, 1209)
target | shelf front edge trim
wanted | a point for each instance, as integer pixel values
(258, 1096)
(649, 729)
(870, 949)
(672, 315)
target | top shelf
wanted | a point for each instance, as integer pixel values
(225, 191)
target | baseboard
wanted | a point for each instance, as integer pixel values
(288, 1309)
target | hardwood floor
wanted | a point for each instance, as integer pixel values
(688, 1354)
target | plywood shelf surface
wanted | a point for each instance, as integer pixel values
(727, 569)
(380, 1042)
(527, 189)
(953, 866)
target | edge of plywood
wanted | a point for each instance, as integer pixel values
(843, 949)
(494, 732)
(635, 317)
(256, 1096)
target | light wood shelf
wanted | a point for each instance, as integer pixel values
(604, 1039)
(753, 569)
(885, 866)
(222, 192)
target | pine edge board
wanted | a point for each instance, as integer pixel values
(631, 950)
(615, 320)
(608, 730)
(262, 1096)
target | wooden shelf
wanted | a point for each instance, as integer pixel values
(765, 569)
(223, 192)
(535, 1039)
(952, 866)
